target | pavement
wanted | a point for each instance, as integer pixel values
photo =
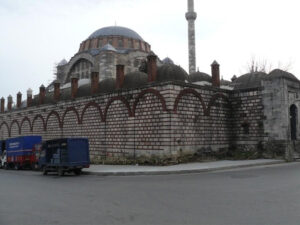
(130, 170)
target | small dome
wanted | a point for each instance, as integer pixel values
(169, 72)
(249, 80)
(107, 85)
(135, 79)
(225, 82)
(277, 73)
(199, 76)
(115, 31)
(167, 60)
(62, 62)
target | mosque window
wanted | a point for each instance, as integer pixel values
(130, 43)
(100, 43)
(246, 128)
(110, 41)
(120, 43)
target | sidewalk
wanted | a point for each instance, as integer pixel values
(116, 170)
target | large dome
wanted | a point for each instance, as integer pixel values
(115, 31)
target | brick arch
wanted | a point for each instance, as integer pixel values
(7, 127)
(150, 91)
(92, 104)
(23, 121)
(35, 118)
(12, 123)
(214, 99)
(70, 109)
(118, 98)
(57, 116)
(186, 92)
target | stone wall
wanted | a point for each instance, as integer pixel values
(247, 119)
(158, 119)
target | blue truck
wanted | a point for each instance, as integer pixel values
(64, 155)
(20, 152)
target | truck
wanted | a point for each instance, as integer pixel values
(19, 152)
(64, 155)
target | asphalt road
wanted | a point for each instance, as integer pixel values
(260, 196)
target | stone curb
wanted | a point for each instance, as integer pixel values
(133, 173)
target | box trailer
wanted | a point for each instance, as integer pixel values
(20, 151)
(65, 155)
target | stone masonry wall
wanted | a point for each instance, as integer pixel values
(248, 119)
(159, 119)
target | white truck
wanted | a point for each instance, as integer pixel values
(3, 161)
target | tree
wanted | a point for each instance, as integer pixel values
(265, 66)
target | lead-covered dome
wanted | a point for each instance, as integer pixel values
(135, 79)
(170, 72)
(198, 77)
(115, 31)
(277, 73)
(249, 80)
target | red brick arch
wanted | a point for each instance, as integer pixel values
(150, 91)
(43, 120)
(70, 109)
(23, 121)
(214, 99)
(186, 92)
(12, 123)
(118, 98)
(7, 127)
(57, 116)
(92, 104)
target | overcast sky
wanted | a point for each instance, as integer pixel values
(36, 34)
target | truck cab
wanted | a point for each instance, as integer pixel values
(3, 158)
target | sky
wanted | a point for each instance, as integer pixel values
(37, 34)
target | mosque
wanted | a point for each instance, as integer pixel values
(130, 104)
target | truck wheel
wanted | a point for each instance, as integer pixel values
(60, 171)
(77, 171)
(45, 172)
(17, 166)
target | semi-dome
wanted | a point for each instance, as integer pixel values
(135, 79)
(115, 31)
(249, 80)
(169, 72)
(199, 76)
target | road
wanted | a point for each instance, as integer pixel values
(260, 196)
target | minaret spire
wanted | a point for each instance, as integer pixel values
(191, 17)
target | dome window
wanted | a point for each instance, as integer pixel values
(100, 43)
(120, 43)
(131, 43)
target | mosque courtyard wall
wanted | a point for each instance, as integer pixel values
(159, 119)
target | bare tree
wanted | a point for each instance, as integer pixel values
(265, 66)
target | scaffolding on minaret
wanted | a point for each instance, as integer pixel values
(191, 17)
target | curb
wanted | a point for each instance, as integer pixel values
(138, 173)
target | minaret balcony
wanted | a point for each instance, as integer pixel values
(191, 16)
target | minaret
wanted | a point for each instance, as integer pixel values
(191, 17)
